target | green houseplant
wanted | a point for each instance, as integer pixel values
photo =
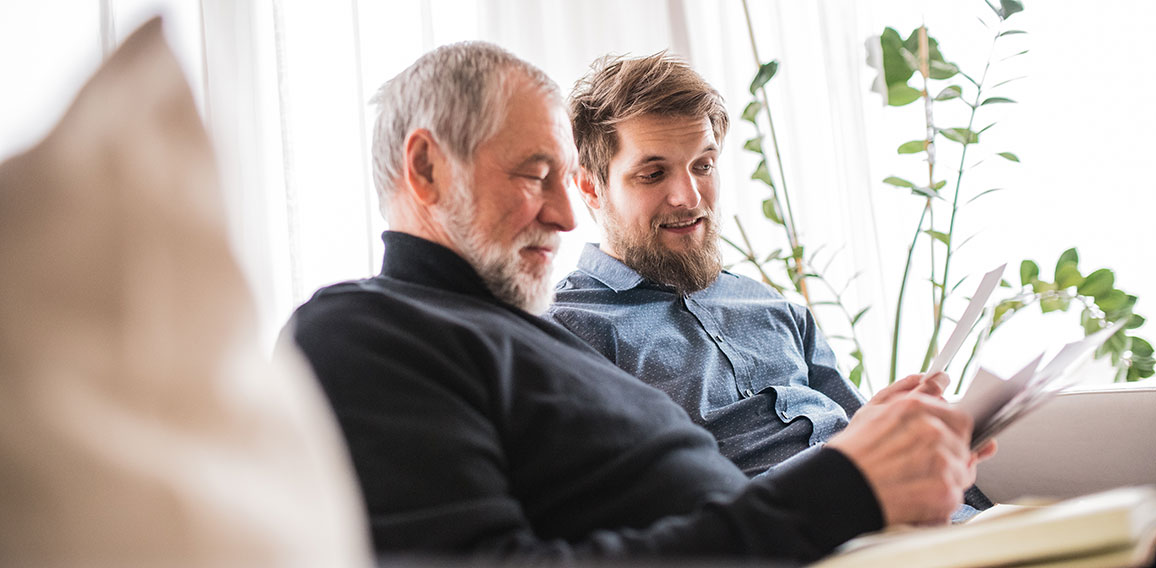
(914, 70)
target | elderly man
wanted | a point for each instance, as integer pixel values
(477, 428)
(751, 367)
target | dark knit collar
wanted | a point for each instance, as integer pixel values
(417, 260)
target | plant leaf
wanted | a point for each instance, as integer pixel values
(752, 111)
(1067, 275)
(939, 185)
(983, 193)
(1134, 322)
(939, 236)
(926, 192)
(1069, 255)
(902, 94)
(996, 100)
(1017, 54)
(1141, 347)
(856, 375)
(754, 145)
(949, 92)
(1009, 7)
(1004, 82)
(1011, 32)
(1112, 301)
(1009, 156)
(1097, 284)
(941, 70)
(859, 315)
(771, 211)
(1029, 272)
(1054, 303)
(897, 60)
(1004, 310)
(898, 182)
(763, 174)
(961, 135)
(766, 71)
(912, 147)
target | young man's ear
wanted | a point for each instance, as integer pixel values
(427, 169)
(586, 188)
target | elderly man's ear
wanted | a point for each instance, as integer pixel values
(586, 188)
(427, 167)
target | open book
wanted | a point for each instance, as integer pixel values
(995, 403)
(1113, 528)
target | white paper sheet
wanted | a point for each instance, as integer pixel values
(970, 316)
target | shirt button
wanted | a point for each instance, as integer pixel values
(748, 393)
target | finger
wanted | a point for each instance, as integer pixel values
(934, 384)
(986, 451)
(917, 404)
(902, 386)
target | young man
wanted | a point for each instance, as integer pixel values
(477, 428)
(751, 367)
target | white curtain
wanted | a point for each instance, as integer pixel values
(284, 87)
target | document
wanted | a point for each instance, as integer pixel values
(995, 403)
(970, 316)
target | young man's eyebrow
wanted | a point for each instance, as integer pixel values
(648, 159)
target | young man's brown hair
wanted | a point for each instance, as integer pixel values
(618, 88)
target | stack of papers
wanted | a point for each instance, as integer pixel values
(995, 403)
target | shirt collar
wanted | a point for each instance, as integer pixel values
(417, 260)
(607, 269)
(617, 276)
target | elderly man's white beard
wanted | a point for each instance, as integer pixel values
(508, 276)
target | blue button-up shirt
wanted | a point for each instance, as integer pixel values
(744, 362)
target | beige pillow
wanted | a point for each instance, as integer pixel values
(139, 422)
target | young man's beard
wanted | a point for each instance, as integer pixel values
(500, 268)
(686, 271)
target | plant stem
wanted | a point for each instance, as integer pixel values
(789, 221)
(931, 346)
(902, 291)
(929, 147)
(749, 256)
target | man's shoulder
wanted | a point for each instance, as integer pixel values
(579, 281)
(404, 311)
(731, 281)
(580, 290)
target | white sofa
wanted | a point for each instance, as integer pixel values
(1079, 443)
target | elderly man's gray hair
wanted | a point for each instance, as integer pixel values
(458, 92)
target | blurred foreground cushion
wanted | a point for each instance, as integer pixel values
(139, 422)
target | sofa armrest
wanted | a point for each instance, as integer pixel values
(1081, 442)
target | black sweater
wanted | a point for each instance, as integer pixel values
(476, 428)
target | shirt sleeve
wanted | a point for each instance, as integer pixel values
(823, 369)
(434, 471)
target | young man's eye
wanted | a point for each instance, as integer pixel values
(706, 168)
(651, 176)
